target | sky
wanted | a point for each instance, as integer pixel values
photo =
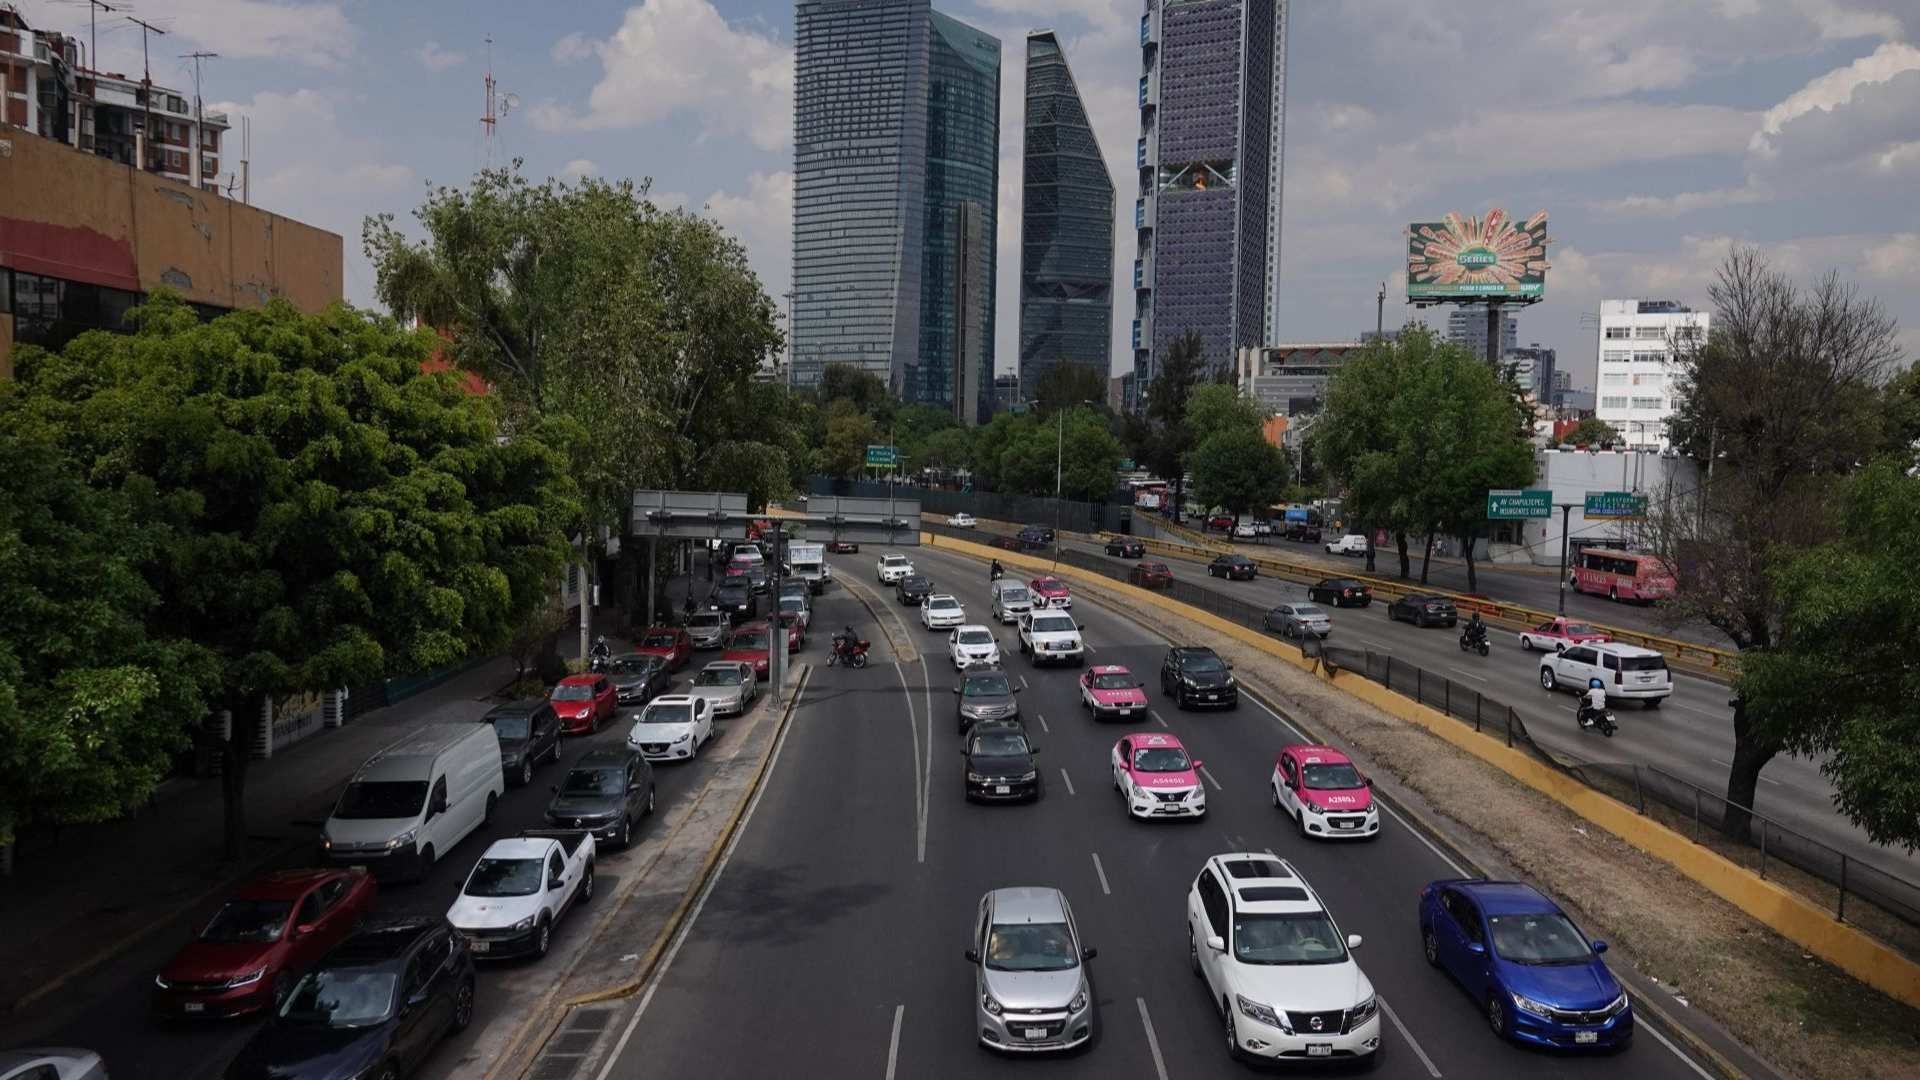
(1656, 133)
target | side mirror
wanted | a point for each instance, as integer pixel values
(1032, 750)
(1477, 948)
(1216, 943)
(956, 691)
(1353, 941)
(303, 930)
(1229, 664)
(1367, 781)
(973, 956)
(555, 788)
(1019, 689)
(1089, 953)
(1599, 946)
(554, 883)
(416, 1000)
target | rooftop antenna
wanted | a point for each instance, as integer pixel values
(498, 106)
(199, 116)
(146, 86)
(94, 8)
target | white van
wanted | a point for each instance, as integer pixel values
(412, 802)
(1011, 599)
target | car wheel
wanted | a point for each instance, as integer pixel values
(462, 1013)
(626, 832)
(554, 753)
(1651, 703)
(1300, 823)
(1547, 681)
(487, 816)
(1613, 593)
(1526, 643)
(1430, 946)
(1233, 1032)
(543, 938)
(1274, 789)
(526, 771)
(282, 986)
(391, 1071)
(586, 885)
(593, 725)
(1496, 1015)
(650, 794)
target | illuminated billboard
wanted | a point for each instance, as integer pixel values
(1477, 259)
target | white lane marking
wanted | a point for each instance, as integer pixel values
(1156, 717)
(1369, 641)
(1411, 1041)
(1210, 779)
(919, 793)
(1468, 674)
(1153, 1043)
(926, 779)
(1042, 717)
(1422, 837)
(1729, 765)
(1697, 710)
(686, 928)
(1069, 780)
(1102, 871)
(893, 1044)
(1087, 645)
(1677, 1052)
(1023, 682)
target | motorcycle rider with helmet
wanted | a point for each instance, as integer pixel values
(1476, 630)
(1593, 704)
(995, 571)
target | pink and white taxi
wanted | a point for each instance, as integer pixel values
(1157, 779)
(1050, 592)
(1326, 795)
(1112, 690)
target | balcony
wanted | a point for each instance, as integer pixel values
(1143, 331)
(1143, 271)
(1149, 30)
(1143, 213)
(1140, 152)
(1150, 90)
(1136, 333)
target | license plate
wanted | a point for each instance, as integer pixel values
(1001, 789)
(1345, 824)
(481, 946)
(193, 1007)
(1213, 697)
(1586, 1036)
(1319, 1049)
(1033, 1033)
(1126, 712)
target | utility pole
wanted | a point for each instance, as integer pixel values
(199, 115)
(1566, 516)
(1493, 334)
(146, 86)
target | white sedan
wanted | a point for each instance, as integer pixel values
(973, 645)
(672, 727)
(891, 568)
(962, 521)
(940, 611)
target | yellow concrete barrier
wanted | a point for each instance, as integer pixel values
(1794, 918)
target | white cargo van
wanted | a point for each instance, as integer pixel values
(413, 801)
(1011, 599)
(809, 562)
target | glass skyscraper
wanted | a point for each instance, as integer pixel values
(1066, 224)
(1212, 107)
(896, 182)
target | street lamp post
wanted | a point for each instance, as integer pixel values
(1059, 459)
(1566, 516)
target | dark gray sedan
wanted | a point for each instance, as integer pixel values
(639, 677)
(603, 793)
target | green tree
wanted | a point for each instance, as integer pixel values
(319, 512)
(1067, 385)
(1462, 437)
(1164, 439)
(843, 451)
(950, 448)
(1838, 684)
(868, 392)
(1591, 431)
(1357, 439)
(1238, 469)
(1783, 400)
(1089, 455)
(1213, 408)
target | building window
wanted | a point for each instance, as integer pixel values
(1613, 380)
(1618, 333)
(1650, 333)
(1616, 356)
(1648, 402)
(1613, 403)
(1649, 358)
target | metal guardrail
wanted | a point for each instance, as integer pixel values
(1883, 904)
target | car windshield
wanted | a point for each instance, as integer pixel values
(1049, 585)
(634, 665)
(1000, 744)
(793, 604)
(975, 637)
(732, 590)
(248, 921)
(987, 686)
(573, 692)
(1053, 624)
(754, 639)
(1201, 663)
(1031, 947)
(607, 781)
(717, 677)
(1538, 939)
(1113, 682)
(941, 603)
(343, 998)
(658, 641)
(374, 799)
(706, 620)
(1338, 777)
(673, 713)
(504, 877)
(915, 582)
(1307, 610)
(511, 725)
(1014, 595)
(894, 560)
(1161, 759)
(1303, 938)
(1154, 567)
(1578, 628)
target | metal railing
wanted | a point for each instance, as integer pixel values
(1081, 517)
(1881, 903)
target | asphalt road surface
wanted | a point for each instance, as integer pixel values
(830, 943)
(1690, 736)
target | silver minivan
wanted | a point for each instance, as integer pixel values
(413, 801)
(1011, 599)
(1030, 988)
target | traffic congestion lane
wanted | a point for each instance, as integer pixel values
(1136, 887)
(109, 1010)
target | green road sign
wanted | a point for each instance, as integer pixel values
(1126, 464)
(880, 457)
(1615, 504)
(1510, 504)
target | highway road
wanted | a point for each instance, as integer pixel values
(830, 942)
(1691, 736)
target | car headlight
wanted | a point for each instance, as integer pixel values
(1079, 1001)
(1616, 1006)
(160, 982)
(1362, 1012)
(402, 840)
(523, 924)
(1027, 777)
(683, 738)
(1263, 1013)
(1528, 1005)
(248, 979)
(1314, 810)
(992, 1006)
(1228, 681)
(326, 842)
(1190, 681)
(975, 778)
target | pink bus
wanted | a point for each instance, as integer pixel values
(1621, 575)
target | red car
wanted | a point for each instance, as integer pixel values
(843, 547)
(1559, 633)
(748, 645)
(261, 941)
(1223, 522)
(670, 642)
(583, 701)
(1050, 592)
(796, 625)
(1150, 575)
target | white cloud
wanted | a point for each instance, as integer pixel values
(1897, 260)
(579, 168)
(377, 177)
(761, 218)
(1832, 90)
(573, 46)
(1668, 206)
(318, 34)
(664, 61)
(435, 58)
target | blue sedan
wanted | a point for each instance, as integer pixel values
(1536, 977)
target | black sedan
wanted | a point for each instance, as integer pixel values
(1126, 548)
(639, 677)
(1000, 763)
(1035, 539)
(1341, 592)
(1421, 609)
(529, 732)
(1233, 568)
(913, 588)
(376, 1006)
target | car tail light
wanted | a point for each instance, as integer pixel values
(1616, 676)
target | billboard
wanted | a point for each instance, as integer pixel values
(1471, 259)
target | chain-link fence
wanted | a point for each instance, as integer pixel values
(1884, 904)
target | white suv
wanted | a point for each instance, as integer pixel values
(1276, 965)
(1350, 544)
(1628, 672)
(1048, 637)
(892, 568)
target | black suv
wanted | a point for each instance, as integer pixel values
(914, 588)
(1035, 538)
(1232, 567)
(1126, 548)
(1000, 762)
(603, 792)
(985, 695)
(1196, 677)
(529, 731)
(736, 598)
(377, 1005)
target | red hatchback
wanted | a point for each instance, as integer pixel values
(583, 701)
(748, 645)
(261, 941)
(1150, 575)
(670, 642)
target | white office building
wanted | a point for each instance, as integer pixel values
(1638, 380)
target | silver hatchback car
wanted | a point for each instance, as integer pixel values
(729, 686)
(1030, 988)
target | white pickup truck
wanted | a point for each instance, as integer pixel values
(1051, 637)
(809, 563)
(520, 888)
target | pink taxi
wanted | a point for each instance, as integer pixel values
(1051, 592)
(1558, 634)
(1156, 778)
(1111, 690)
(1326, 795)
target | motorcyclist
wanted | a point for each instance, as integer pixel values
(843, 641)
(994, 571)
(1593, 704)
(1476, 630)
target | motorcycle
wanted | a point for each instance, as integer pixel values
(599, 663)
(1603, 722)
(1469, 642)
(850, 651)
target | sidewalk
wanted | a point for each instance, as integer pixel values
(102, 888)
